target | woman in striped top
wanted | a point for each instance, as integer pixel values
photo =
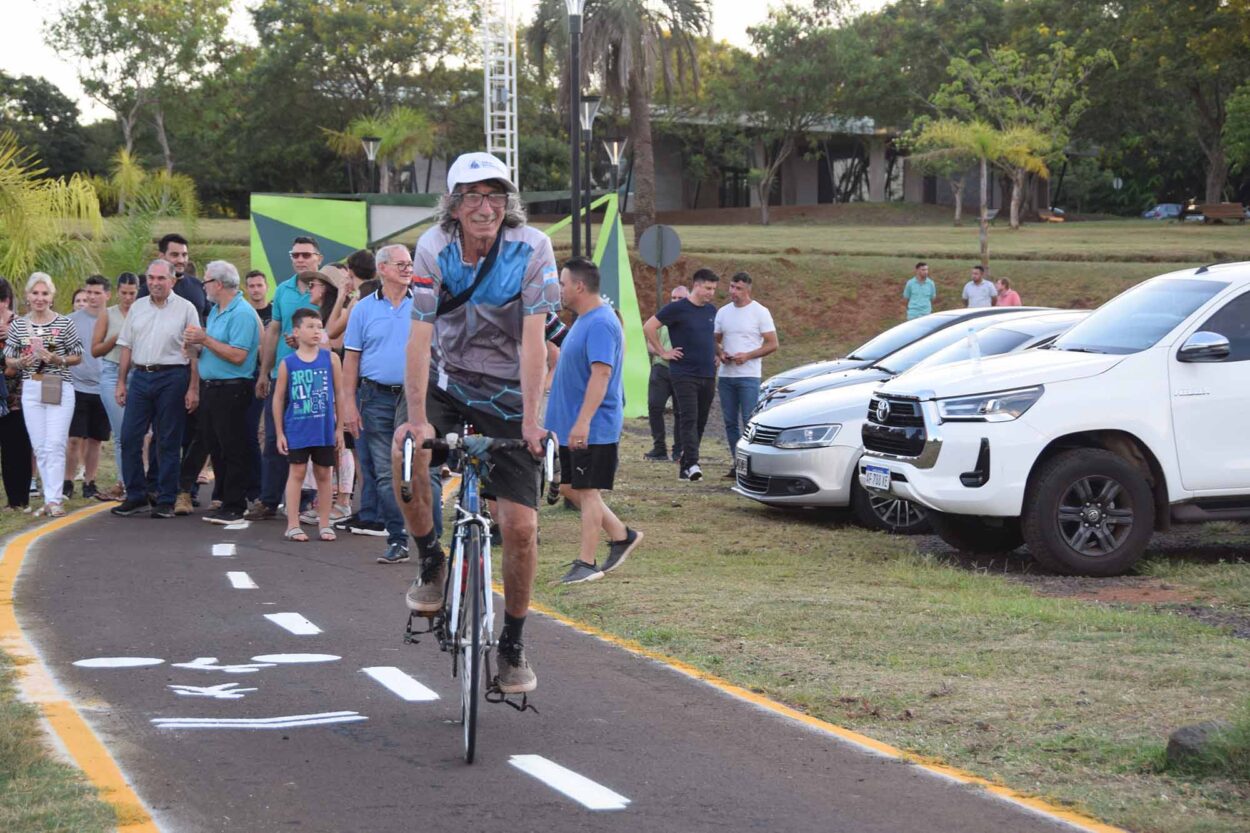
(44, 345)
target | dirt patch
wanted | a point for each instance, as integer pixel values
(1129, 590)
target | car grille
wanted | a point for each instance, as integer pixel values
(754, 483)
(902, 432)
(761, 434)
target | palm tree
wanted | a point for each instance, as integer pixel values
(626, 41)
(1011, 149)
(405, 133)
(38, 217)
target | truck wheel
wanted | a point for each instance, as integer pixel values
(1089, 513)
(886, 512)
(972, 533)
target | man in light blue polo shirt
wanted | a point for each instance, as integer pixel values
(291, 294)
(376, 345)
(228, 346)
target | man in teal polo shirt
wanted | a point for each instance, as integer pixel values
(291, 294)
(228, 347)
(920, 292)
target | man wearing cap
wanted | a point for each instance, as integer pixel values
(484, 283)
(228, 348)
(373, 381)
(291, 294)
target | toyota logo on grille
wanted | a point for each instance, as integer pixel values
(883, 410)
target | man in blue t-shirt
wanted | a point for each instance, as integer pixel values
(691, 326)
(585, 412)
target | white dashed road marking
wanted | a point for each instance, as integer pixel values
(224, 550)
(591, 795)
(234, 527)
(401, 684)
(293, 622)
(241, 581)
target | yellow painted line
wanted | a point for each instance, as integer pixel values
(37, 685)
(1037, 805)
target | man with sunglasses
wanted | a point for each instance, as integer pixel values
(483, 285)
(291, 294)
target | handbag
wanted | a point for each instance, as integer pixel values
(50, 389)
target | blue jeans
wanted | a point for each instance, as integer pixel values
(368, 485)
(116, 413)
(381, 411)
(738, 396)
(252, 441)
(147, 395)
(274, 467)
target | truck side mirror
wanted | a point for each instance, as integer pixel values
(1204, 346)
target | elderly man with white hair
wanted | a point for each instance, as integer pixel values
(373, 381)
(228, 347)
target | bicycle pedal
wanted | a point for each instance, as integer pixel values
(494, 694)
(411, 634)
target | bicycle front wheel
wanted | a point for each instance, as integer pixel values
(472, 622)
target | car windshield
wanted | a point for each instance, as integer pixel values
(1135, 320)
(993, 342)
(909, 356)
(900, 336)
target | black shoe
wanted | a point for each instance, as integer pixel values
(580, 571)
(375, 528)
(656, 454)
(618, 551)
(89, 490)
(682, 474)
(67, 489)
(129, 507)
(676, 458)
(163, 510)
(345, 525)
(224, 516)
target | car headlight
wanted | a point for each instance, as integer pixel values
(989, 407)
(809, 436)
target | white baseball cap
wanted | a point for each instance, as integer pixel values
(476, 167)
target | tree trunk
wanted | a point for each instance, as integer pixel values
(985, 218)
(644, 155)
(765, 185)
(384, 177)
(957, 188)
(1017, 195)
(158, 121)
(1217, 173)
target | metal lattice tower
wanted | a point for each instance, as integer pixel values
(499, 59)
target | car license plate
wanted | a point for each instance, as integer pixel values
(742, 464)
(877, 477)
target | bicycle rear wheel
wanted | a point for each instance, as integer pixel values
(470, 641)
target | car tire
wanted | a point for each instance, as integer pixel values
(887, 514)
(1089, 512)
(975, 534)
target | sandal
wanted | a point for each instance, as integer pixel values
(296, 534)
(55, 510)
(327, 534)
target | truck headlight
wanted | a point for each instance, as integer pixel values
(809, 436)
(989, 407)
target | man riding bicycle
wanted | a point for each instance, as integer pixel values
(483, 285)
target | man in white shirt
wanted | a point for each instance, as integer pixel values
(744, 335)
(979, 292)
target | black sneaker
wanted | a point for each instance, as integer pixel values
(375, 528)
(694, 473)
(224, 516)
(130, 507)
(67, 489)
(580, 571)
(395, 554)
(89, 490)
(656, 454)
(683, 474)
(345, 525)
(515, 675)
(618, 551)
(163, 510)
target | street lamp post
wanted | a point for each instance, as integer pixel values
(615, 149)
(371, 143)
(575, 8)
(589, 109)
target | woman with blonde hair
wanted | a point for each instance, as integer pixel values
(44, 345)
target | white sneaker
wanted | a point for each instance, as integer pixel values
(694, 473)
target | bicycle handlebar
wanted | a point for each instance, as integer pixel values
(455, 441)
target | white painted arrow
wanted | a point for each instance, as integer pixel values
(210, 664)
(225, 691)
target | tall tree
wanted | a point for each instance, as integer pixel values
(43, 119)
(134, 55)
(626, 42)
(405, 132)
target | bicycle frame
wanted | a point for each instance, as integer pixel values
(469, 514)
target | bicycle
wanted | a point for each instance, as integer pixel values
(464, 627)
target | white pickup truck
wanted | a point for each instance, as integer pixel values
(1136, 418)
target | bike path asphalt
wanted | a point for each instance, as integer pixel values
(667, 752)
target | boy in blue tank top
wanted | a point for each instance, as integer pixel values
(305, 414)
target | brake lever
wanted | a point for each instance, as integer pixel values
(405, 484)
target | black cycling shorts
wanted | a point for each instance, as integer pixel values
(515, 475)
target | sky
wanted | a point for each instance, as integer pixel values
(23, 51)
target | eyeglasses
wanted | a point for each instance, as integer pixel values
(403, 267)
(473, 199)
(295, 255)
